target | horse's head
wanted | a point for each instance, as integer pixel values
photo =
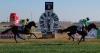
(91, 26)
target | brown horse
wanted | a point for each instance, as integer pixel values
(73, 30)
(16, 30)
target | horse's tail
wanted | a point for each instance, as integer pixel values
(6, 31)
(59, 31)
(63, 30)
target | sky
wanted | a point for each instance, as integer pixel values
(67, 10)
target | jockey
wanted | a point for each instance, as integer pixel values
(83, 23)
(23, 23)
(86, 22)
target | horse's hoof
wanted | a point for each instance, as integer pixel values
(16, 42)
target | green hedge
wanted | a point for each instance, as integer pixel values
(98, 33)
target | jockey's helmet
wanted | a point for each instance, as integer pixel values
(87, 18)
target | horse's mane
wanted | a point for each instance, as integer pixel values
(30, 24)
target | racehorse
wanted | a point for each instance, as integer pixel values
(72, 30)
(16, 30)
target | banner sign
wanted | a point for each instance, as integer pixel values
(92, 34)
(48, 5)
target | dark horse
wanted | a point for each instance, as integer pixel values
(73, 30)
(16, 30)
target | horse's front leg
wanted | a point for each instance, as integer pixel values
(34, 35)
(83, 38)
(80, 40)
(15, 38)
